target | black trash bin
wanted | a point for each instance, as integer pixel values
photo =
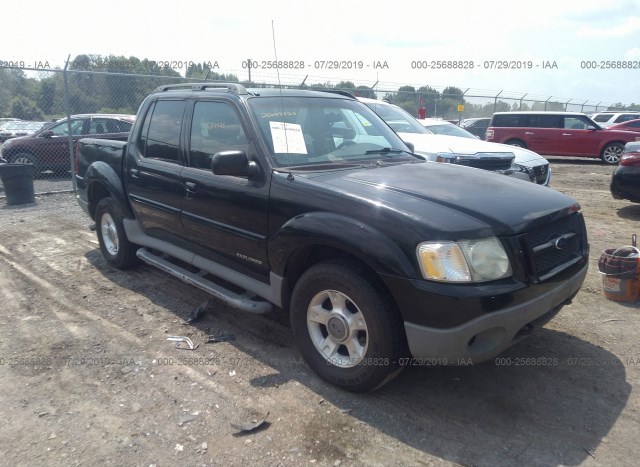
(17, 180)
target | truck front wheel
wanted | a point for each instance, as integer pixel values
(346, 326)
(116, 248)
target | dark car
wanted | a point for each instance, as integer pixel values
(48, 148)
(625, 181)
(476, 126)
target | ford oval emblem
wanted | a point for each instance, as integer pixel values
(560, 243)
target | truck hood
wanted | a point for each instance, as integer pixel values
(450, 201)
(432, 144)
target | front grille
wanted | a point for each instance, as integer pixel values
(488, 163)
(541, 173)
(556, 246)
(485, 161)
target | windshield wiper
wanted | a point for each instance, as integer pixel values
(384, 151)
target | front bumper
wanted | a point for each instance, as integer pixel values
(487, 335)
(625, 183)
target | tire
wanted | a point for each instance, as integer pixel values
(517, 143)
(346, 326)
(27, 158)
(611, 153)
(116, 248)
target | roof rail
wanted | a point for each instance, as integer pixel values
(236, 88)
(341, 92)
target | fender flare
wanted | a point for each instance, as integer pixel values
(360, 240)
(103, 174)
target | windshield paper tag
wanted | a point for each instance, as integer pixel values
(287, 138)
(363, 120)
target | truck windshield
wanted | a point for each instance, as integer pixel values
(315, 130)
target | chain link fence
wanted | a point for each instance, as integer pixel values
(54, 108)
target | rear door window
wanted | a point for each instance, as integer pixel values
(100, 125)
(165, 125)
(626, 118)
(511, 120)
(602, 118)
(545, 121)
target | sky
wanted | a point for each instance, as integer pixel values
(559, 46)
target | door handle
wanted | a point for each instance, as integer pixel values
(567, 134)
(190, 188)
(528, 132)
(135, 173)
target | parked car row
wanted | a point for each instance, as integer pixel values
(14, 128)
(610, 118)
(48, 147)
(476, 126)
(441, 141)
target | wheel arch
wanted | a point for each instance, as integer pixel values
(522, 143)
(622, 143)
(102, 181)
(309, 239)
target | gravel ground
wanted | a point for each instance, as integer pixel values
(88, 377)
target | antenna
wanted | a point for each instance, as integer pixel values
(275, 53)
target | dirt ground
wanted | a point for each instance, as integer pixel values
(87, 376)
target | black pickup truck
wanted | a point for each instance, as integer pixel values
(308, 203)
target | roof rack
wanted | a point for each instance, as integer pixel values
(236, 88)
(341, 92)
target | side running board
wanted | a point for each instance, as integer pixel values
(240, 302)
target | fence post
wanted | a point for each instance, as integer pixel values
(520, 108)
(72, 163)
(495, 102)
(567, 103)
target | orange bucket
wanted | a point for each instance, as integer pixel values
(619, 269)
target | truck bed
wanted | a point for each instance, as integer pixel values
(90, 150)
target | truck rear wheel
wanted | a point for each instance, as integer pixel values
(346, 327)
(114, 244)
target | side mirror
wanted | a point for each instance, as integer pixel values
(591, 128)
(47, 134)
(234, 163)
(411, 146)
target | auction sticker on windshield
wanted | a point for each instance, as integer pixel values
(287, 138)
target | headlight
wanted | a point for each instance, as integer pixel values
(465, 261)
(524, 170)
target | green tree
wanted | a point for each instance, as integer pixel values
(365, 91)
(346, 85)
(25, 109)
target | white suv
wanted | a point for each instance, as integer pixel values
(606, 119)
(465, 150)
